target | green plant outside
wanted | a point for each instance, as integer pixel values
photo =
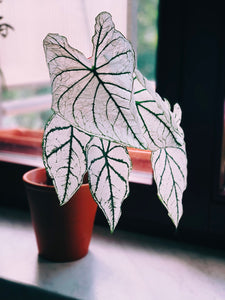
(147, 37)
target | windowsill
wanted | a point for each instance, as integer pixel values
(119, 266)
(21, 158)
(23, 146)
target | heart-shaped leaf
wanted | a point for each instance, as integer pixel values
(96, 94)
(64, 156)
(161, 126)
(100, 108)
(108, 168)
(170, 174)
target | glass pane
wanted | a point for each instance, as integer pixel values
(25, 106)
(34, 120)
(147, 37)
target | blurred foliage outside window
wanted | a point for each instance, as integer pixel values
(147, 37)
(34, 120)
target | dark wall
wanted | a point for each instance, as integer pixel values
(190, 71)
(12, 187)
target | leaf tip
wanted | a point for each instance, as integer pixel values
(112, 230)
(175, 221)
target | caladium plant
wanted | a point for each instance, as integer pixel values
(102, 105)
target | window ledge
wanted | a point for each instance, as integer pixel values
(23, 146)
(119, 266)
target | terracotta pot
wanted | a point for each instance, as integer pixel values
(63, 233)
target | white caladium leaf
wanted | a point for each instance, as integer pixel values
(108, 168)
(161, 126)
(170, 174)
(96, 94)
(64, 156)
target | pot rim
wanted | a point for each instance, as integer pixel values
(31, 182)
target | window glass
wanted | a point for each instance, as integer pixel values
(147, 37)
(21, 54)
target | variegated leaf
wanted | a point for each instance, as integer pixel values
(170, 174)
(161, 126)
(96, 94)
(108, 168)
(64, 156)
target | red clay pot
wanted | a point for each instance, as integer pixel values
(63, 233)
